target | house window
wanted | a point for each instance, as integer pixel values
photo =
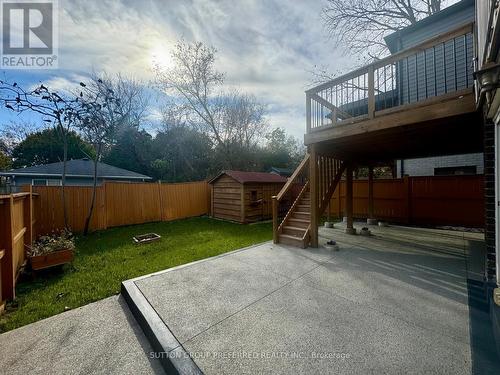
(46, 182)
(455, 171)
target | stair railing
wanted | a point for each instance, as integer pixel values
(330, 172)
(287, 198)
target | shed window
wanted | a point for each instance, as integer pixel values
(253, 195)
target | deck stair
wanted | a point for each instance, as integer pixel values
(294, 225)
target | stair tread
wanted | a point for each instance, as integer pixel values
(290, 236)
(291, 227)
(300, 220)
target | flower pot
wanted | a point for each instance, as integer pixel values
(56, 258)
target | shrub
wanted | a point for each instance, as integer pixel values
(54, 242)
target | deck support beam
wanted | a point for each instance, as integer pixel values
(371, 218)
(313, 180)
(349, 200)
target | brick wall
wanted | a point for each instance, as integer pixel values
(489, 195)
(425, 166)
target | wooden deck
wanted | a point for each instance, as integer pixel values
(418, 102)
(442, 126)
(424, 93)
(441, 107)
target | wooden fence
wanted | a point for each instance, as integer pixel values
(414, 200)
(17, 229)
(121, 204)
(436, 200)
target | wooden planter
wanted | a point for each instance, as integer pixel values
(146, 238)
(56, 258)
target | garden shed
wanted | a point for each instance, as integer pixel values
(244, 197)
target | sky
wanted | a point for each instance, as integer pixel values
(266, 47)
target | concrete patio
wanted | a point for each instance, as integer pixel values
(396, 302)
(391, 303)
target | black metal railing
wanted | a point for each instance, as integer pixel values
(439, 66)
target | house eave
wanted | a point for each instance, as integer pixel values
(8, 174)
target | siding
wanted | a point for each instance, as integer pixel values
(70, 181)
(263, 209)
(438, 70)
(459, 17)
(226, 199)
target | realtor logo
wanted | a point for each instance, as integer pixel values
(29, 34)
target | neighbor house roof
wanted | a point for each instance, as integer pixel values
(76, 168)
(246, 177)
(286, 172)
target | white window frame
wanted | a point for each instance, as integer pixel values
(59, 181)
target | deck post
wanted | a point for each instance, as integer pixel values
(308, 113)
(371, 92)
(349, 200)
(371, 218)
(275, 219)
(7, 274)
(313, 178)
(28, 220)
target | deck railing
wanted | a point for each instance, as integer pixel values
(439, 66)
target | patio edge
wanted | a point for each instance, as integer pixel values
(162, 340)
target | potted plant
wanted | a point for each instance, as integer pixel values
(52, 250)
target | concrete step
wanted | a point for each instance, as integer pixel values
(294, 231)
(291, 240)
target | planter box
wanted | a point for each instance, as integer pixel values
(146, 238)
(56, 258)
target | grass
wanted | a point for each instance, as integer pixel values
(104, 259)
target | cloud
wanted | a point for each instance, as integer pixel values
(266, 47)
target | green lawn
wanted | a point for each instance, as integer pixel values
(104, 259)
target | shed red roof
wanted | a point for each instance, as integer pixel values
(244, 177)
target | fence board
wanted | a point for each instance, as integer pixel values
(16, 211)
(50, 215)
(132, 203)
(185, 200)
(119, 204)
(434, 200)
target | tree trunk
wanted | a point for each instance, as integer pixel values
(94, 190)
(63, 177)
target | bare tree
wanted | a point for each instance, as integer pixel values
(243, 118)
(56, 109)
(195, 81)
(227, 117)
(14, 132)
(101, 114)
(361, 25)
(133, 101)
